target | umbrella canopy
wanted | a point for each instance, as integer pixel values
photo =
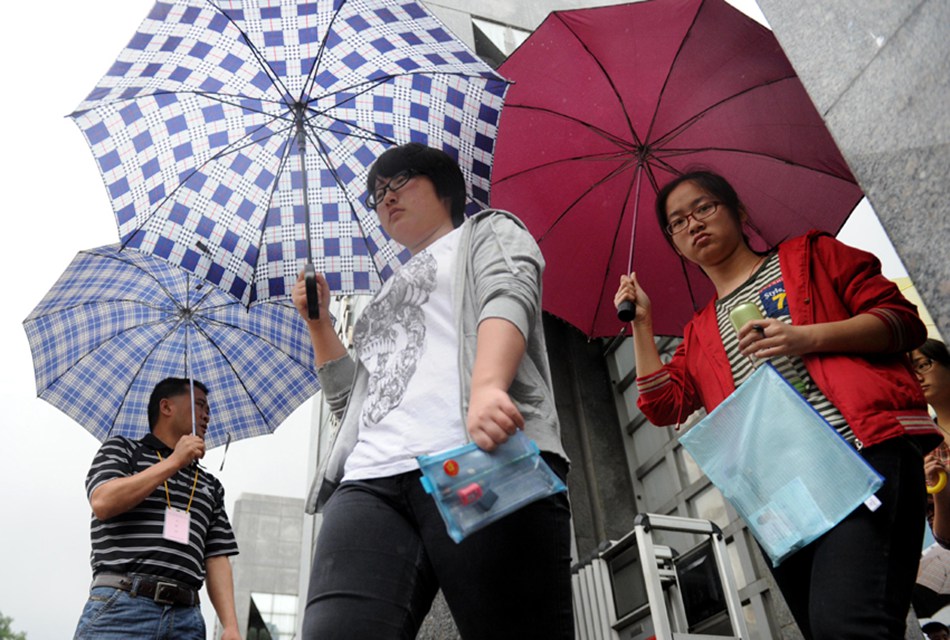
(223, 124)
(609, 104)
(118, 322)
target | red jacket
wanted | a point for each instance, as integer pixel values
(825, 281)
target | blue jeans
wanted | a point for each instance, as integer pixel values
(383, 552)
(856, 580)
(113, 614)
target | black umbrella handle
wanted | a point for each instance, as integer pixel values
(627, 311)
(313, 297)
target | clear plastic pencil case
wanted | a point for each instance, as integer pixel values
(473, 488)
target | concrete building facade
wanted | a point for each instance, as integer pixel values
(269, 532)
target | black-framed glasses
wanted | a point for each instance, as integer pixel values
(395, 183)
(923, 365)
(701, 212)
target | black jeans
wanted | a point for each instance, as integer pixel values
(856, 580)
(383, 552)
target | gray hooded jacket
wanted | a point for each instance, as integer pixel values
(498, 275)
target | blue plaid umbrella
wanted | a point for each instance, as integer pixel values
(224, 124)
(117, 322)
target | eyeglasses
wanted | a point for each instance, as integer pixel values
(923, 365)
(395, 183)
(701, 212)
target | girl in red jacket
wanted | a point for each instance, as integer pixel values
(839, 331)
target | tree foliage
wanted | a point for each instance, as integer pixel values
(6, 629)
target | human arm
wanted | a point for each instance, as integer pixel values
(492, 416)
(666, 393)
(326, 343)
(502, 312)
(118, 495)
(862, 334)
(220, 583)
(644, 344)
(847, 283)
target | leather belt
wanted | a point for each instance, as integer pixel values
(161, 591)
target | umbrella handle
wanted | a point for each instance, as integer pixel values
(627, 311)
(313, 298)
(941, 483)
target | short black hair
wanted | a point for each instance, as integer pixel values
(934, 625)
(936, 351)
(168, 388)
(438, 166)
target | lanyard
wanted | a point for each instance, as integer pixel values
(193, 487)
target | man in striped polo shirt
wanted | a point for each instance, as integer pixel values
(159, 528)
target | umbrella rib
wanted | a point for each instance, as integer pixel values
(233, 147)
(360, 132)
(271, 74)
(613, 173)
(138, 369)
(613, 247)
(669, 71)
(607, 77)
(257, 337)
(312, 73)
(591, 158)
(215, 346)
(324, 153)
(116, 301)
(620, 142)
(680, 128)
(270, 200)
(369, 135)
(225, 98)
(654, 183)
(120, 257)
(760, 154)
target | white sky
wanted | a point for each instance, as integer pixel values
(56, 205)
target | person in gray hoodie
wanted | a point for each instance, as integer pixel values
(451, 350)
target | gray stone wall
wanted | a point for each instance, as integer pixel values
(879, 73)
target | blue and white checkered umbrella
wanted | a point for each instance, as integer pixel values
(225, 123)
(118, 322)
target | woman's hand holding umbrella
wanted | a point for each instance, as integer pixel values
(630, 292)
(644, 345)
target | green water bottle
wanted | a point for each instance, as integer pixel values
(747, 311)
(743, 313)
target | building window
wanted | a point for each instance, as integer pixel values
(276, 619)
(495, 41)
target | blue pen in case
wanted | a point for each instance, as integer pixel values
(473, 488)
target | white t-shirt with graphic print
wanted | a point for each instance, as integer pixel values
(408, 341)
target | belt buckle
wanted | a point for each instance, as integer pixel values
(160, 587)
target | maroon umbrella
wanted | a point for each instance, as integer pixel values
(609, 104)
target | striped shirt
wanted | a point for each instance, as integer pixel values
(766, 289)
(132, 542)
